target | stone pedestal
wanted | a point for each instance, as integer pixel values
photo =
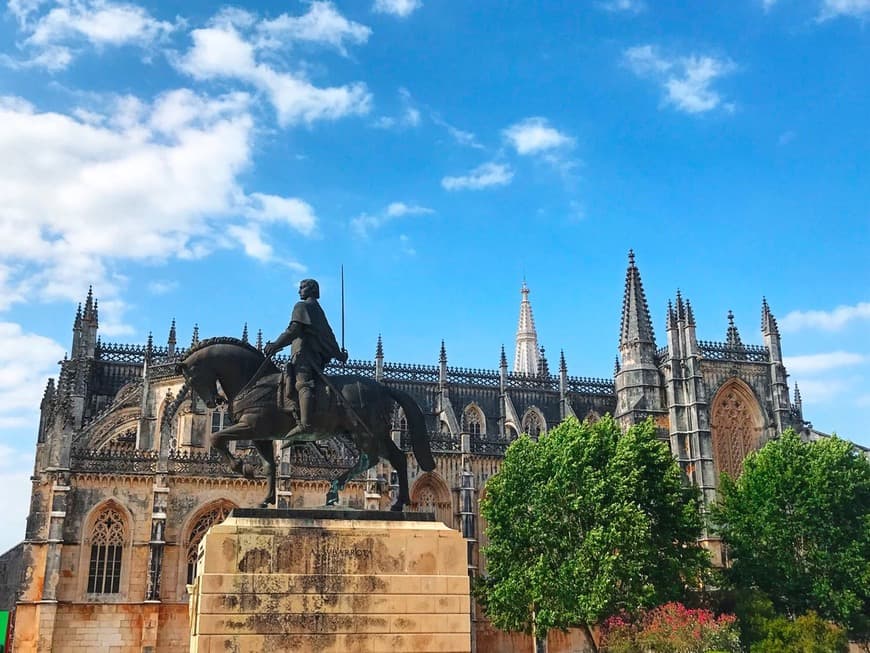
(326, 581)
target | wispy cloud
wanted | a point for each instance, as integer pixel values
(483, 176)
(814, 363)
(400, 8)
(52, 39)
(535, 135)
(623, 6)
(364, 224)
(139, 181)
(322, 24)
(161, 287)
(850, 8)
(462, 137)
(409, 116)
(686, 80)
(233, 47)
(833, 320)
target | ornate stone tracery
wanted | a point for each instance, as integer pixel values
(214, 515)
(736, 426)
(107, 546)
(473, 420)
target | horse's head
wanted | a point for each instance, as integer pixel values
(202, 380)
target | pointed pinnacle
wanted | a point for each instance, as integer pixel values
(563, 367)
(194, 340)
(245, 333)
(631, 258)
(149, 345)
(690, 315)
(172, 339)
(379, 348)
(503, 359)
(259, 340)
(616, 366)
(443, 356)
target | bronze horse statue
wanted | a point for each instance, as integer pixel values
(252, 404)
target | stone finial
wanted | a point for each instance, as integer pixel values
(442, 357)
(636, 325)
(732, 337)
(616, 366)
(690, 315)
(681, 307)
(379, 348)
(672, 316)
(797, 397)
(149, 344)
(245, 333)
(89, 302)
(194, 340)
(172, 340)
(78, 321)
(503, 359)
(543, 365)
(259, 340)
(563, 366)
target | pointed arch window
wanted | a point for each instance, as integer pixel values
(736, 426)
(473, 421)
(108, 537)
(205, 521)
(400, 422)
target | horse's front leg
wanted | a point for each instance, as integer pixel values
(266, 448)
(338, 484)
(400, 464)
(221, 439)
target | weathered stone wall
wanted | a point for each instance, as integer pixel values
(12, 566)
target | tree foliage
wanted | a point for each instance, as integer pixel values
(808, 633)
(586, 523)
(797, 526)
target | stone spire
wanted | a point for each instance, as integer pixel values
(194, 340)
(563, 366)
(172, 340)
(379, 348)
(245, 333)
(732, 337)
(543, 365)
(798, 403)
(379, 359)
(768, 322)
(259, 340)
(636, 324)
(526, 358)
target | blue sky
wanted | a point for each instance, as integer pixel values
(196, 165)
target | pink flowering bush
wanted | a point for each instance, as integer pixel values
(671, 628)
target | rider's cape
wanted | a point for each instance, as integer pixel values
(317, 341)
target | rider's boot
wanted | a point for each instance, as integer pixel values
(306, 410)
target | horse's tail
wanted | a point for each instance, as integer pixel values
(417, 428)
(172, 408)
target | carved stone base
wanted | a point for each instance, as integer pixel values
(331, 581)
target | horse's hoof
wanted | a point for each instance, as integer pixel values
(265, 503)
(331, 499)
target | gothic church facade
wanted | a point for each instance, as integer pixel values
(118, 507)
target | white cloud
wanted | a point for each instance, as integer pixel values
(99, 23)
(852, 8)
(365, 223)
(832, 320)
(161, 287)
(222, 52)
(535, 135)
(821, 391)
(410, 116)
(483, 176)
(322, 24)
(27, 360)
(686, 80)
(462, 137)
(623, 6)
(400, 8)
(150, 181)
(814, 363)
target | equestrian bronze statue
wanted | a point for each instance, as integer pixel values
(302, 404)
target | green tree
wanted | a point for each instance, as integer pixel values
(797, 526)
(808, 633)
(587, 523)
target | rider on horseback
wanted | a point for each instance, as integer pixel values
(312, 346)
